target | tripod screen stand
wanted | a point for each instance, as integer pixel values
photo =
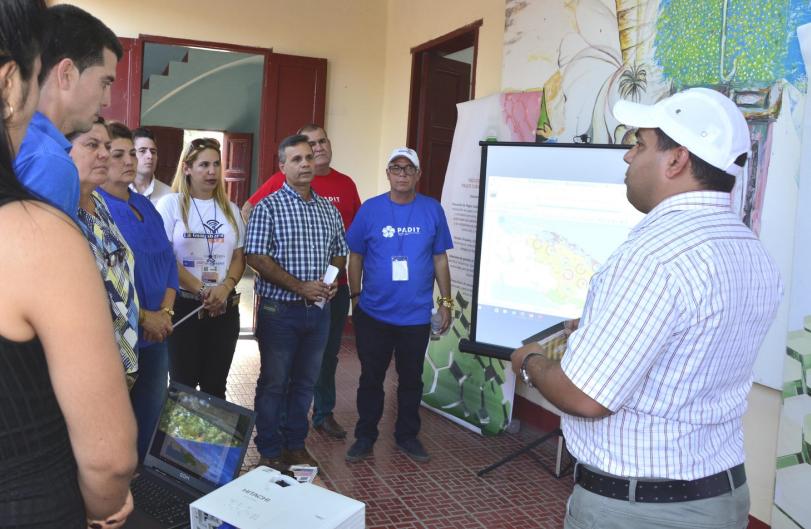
(560, 454)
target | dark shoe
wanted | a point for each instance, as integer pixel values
(276, 463)
(413, 448)
(299, 457)
(331, 427)
(360, 449)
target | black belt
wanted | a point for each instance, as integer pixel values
(660, 491)
(295, 302)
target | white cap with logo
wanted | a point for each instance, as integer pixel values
(405, 152)
(704, 121)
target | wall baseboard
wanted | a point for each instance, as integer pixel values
(530, 413)
(754, 523)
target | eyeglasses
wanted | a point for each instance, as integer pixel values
(398, 170)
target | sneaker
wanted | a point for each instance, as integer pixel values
(331, 428)
(276, 463)
(413, 448)
(299, 457)
(360, 449)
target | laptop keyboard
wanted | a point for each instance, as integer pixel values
(159, 501)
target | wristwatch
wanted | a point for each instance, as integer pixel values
(523, 372)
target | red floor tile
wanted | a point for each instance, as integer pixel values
(444, 493)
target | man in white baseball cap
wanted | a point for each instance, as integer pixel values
(399, 242)
(654, 380)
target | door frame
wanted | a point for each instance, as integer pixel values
(265, 159)
(456, 40)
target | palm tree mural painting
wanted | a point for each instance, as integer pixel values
(633, 82)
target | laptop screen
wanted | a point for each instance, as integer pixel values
(201, 435)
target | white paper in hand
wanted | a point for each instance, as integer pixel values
(329, 277)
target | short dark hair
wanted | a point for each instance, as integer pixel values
(710, 177)
(143, 132)
(73, 33)
(310, 127)
(290, 141)
(119, 130)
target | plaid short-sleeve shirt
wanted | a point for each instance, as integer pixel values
(302, 236)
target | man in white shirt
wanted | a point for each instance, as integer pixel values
(146, 151)
(654, 380)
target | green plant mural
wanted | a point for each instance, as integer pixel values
(633, 82)
(742, 43)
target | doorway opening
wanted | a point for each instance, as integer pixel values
(443, 73)
(214, 91)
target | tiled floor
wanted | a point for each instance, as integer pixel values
(442, 494)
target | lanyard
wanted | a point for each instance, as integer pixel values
(206, 229)
(394, 223)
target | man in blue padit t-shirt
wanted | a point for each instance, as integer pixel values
(75, 84)
(398, 242)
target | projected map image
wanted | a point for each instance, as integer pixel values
(545, 239)
(539, 271)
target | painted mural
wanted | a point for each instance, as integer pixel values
(645, 50)
(584, 55)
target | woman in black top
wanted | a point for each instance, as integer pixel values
(67, 433)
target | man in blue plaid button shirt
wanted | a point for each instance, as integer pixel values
(293, 235)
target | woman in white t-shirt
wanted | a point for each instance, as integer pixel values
(207, 234)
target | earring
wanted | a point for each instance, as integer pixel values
(8, 112)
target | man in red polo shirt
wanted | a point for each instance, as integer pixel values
(339, 189)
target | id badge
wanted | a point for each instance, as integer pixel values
(399, 268)
(210, 274)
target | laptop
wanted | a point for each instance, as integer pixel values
(198, 445)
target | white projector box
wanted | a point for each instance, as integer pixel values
(266, 499)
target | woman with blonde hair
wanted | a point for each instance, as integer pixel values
(207, 235)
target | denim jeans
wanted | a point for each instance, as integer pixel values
(148, 393)
(324, 397)
(376, 342)
(291, 339)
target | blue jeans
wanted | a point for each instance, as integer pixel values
(324, 398)
(148, 393)
(291, 339)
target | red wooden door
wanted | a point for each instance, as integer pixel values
(445, 83)
(125, 93)
(170, 145)
(295, 94)
(236, 165)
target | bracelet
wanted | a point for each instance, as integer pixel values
(168, 310)
(201, 292)
(232, 279)
(444, 301)
(353, 296)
